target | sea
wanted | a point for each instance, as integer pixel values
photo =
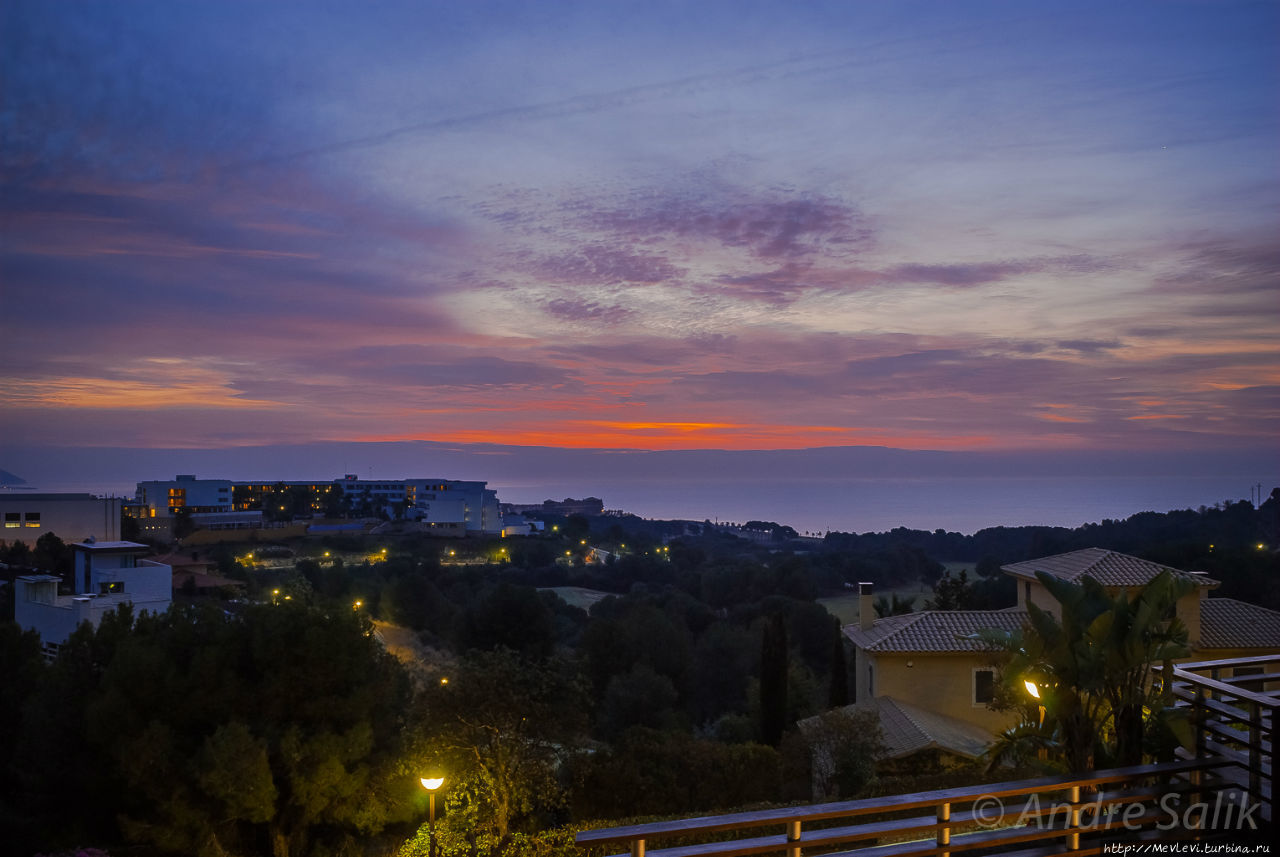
(955, 504)
(817, 505)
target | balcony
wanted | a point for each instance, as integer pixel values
(1218, 791)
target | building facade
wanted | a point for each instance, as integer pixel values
(106, 574)
(450, 505)
(930, 660)
(164, 499)
(71, 517)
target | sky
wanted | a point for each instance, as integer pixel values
(982, 226)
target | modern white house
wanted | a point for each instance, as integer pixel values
(107, 574)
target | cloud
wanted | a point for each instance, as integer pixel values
(967, 274)
(590, 311)
(1225, 268)
(600, 265)
(777, 227)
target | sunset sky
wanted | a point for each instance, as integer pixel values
(749, 225)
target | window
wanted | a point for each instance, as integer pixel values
(1026, 592)
(871, 680)
(13, 519)
(984, 686)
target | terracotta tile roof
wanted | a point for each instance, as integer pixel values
(907, 729)
(1226, 623)
(1107, 567)
(933, 630)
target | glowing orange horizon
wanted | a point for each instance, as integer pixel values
(600, 434)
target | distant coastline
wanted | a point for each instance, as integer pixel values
(962, 504)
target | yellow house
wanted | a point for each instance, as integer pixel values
(928, 660)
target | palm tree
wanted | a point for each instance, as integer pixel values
(1091, 671)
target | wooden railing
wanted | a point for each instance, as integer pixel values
(1233, 705)
(1087, 814)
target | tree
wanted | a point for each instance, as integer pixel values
(952, 593)
(277, 730)
(499, 727)
(838, 690)
(183, 525)
(50, 553)
(895, 606)
(1092, 672)
(842, 747)
(638, 698)
(773, 680)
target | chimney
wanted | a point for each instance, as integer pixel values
(866, 609)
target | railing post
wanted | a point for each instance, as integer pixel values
(793, 836)
(637, 848)
(1255, 750)
(944, 829)
(1073, 819)
(1198, 711)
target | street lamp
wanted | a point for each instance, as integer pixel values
(431, 784)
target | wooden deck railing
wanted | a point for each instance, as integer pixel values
(1233, 704)
(1081, 815)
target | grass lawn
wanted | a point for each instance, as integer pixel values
(577, 596)
(845, 607)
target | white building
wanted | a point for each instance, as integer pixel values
(445, 501)
(449, 504)
(107, 574)
(71, 517)
(164, 499)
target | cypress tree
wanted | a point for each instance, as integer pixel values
(838, 696)
(773, 681)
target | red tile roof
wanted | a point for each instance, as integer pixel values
(934, 630)
(1226, 623)
(907, 729)
(1106, 567)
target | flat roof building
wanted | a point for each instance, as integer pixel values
(106, 574)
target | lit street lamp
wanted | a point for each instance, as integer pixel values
(431, 784)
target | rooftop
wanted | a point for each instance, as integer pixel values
(1106, 567)
(1226, 623)
(111, 546)
(934, 630)
(907, 729)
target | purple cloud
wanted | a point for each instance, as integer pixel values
(777, 228)
(585, 310)
(597, 265)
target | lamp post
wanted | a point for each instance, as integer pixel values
(431, 784)
(1032, 688)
